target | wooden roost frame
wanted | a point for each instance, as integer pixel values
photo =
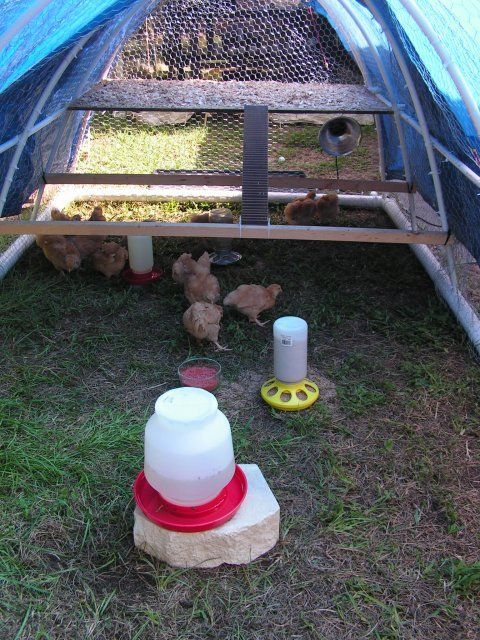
(254, 179)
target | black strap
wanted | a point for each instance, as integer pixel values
(255, 165)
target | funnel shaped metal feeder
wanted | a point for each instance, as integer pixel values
(290, 389)
(222, 254)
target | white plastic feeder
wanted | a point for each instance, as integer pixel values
(190, 481)
(140, 254)
(140, 259)
(188, 447)
(290, 390)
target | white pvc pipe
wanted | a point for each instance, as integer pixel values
(8, 144)
(381, 148)
(53, 152)
(458, 304)
(448, 155)
(207, 194)
(449, 64)
(424, 129)
(410, 85)
(34, 115)
(23, 20)
(15, 251)
(396, 115)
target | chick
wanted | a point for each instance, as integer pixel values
(252, 299)
(327, 208)
(56, 214)
(301, 211)
(97, 215)
(109, 259)
(63, 254)
(200, 217)
(202, 321)
(308, 211)
(89, 244)
(202, 287)
(185, 265)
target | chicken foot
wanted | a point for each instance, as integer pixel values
(220, 348)
(257, 321)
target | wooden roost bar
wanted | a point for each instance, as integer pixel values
(256, 100)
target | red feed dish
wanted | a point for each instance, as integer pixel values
(201, 376)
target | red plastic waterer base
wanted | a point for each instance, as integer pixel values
(142, 278)
(191, 519)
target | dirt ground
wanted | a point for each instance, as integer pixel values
(378, 483)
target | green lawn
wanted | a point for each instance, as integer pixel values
(377, 483)
(124, 145)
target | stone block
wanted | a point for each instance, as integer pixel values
(252, 531)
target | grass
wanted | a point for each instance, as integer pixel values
(118, 145)
(376, 482)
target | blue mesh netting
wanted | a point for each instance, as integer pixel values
(33, 55)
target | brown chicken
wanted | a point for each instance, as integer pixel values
(89, 244)
(202, 321)
(202, 287)
(195, 275)
(308, 211)
(187, 266)
(62, 253)
(200, 217)
(252, 299)
(109, 259)
(327, 208)
(301, 211)
(56, 214)
(97, 215)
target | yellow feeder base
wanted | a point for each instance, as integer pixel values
(293, 396)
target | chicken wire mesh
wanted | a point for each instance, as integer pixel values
(449, 119)
(154, 141)
(281, 40)
(221, 40)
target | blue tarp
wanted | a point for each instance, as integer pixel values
(30, 59)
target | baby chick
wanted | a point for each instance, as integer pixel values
(56, 214)
(308, 211)
(252, 299)
(109, 259)
(185, 266)
(202, 321)
(89, 244)
(60, 252)
(327, 208)
(301, 211)
(200, 285)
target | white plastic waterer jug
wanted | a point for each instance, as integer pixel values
(290, 336)
(188, 447)
(140, 253)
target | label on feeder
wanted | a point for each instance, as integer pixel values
(287, 341)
